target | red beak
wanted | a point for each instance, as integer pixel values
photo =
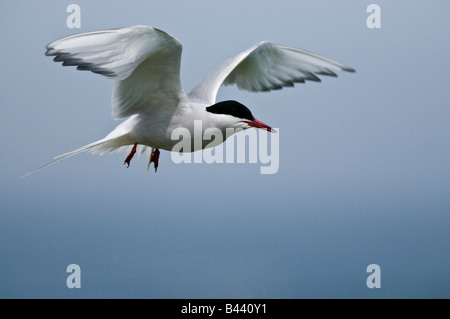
(261, 125)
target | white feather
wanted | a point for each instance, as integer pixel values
(143, 61)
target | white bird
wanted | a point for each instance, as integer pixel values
(144, 63)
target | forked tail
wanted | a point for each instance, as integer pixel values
(100, 147)
(67, 155)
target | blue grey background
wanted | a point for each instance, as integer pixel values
(364, 161)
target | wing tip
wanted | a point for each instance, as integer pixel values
(349, 69)
(50, 51)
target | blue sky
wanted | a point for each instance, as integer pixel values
(364, 175)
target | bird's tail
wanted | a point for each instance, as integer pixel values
(100, 147)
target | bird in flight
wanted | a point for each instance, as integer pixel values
(144, 63)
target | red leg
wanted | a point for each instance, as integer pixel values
(130, 156)
(155, 158)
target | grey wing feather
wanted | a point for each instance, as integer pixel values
(265, 67)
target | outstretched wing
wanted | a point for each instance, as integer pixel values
(143, 61)
(264, 67)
